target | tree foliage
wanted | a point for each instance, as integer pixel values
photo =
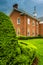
(12, 52)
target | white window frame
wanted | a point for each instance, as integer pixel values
(33, 23)
(33, 32)
(28, 21)
(17, 20)
(18, 31)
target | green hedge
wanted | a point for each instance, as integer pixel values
(12, 52)
(28, 54)
(26, 38)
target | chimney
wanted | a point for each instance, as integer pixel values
(15, 6)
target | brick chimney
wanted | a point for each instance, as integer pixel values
(15, 6)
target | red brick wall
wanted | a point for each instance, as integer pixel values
(41, 29)
(23, 24)
(33, 27)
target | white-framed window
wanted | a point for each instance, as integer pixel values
(33, 23)
(18, 31)
(18, 20)
(33, 33)
(28, 21)
(28, 32)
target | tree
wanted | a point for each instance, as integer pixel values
(8, 40)
(12, 52)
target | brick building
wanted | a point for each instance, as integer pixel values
(24, 23)
(41, 26)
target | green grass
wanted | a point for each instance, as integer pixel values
(38, 43)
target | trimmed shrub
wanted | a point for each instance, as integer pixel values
(12, 52)
(26, 38)
(28, 52)
(8, 40)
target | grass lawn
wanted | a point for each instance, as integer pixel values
(39, 44)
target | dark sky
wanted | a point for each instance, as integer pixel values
(27, 5)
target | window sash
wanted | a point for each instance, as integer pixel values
(33, 23)
(28, 21)
(18, 21)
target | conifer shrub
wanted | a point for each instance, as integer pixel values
(12, 52)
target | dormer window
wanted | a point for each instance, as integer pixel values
(18, 21)
(28, 21)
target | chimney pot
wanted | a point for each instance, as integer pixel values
(15, 6)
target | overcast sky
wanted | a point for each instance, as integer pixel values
(27, 5)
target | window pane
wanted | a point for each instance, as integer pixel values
(33, 23)
(18, 21)
(18, 31)
(28, 20)
(33, 33)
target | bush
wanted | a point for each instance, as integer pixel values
(29, 53)
(12, 52)
(8, 40)
(26, 38)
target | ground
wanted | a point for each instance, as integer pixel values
(38, 43)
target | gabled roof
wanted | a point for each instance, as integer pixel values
(26, 13)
